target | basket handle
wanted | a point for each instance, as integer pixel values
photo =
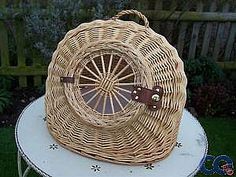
(133, 12)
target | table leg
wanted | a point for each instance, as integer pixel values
(26, 172)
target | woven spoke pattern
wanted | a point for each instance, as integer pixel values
(104, 79)
(107, 77)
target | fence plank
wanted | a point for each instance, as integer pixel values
(37, 79)
(158, 7)
(181, 37)
(24, 71)
(195, 32)
(158, 16)
(141, 5)
(3, 3)
(161, 15)
(4, 40)
(37, 62)
(207, 34)
(182, 33)
(228, 65)
(230, 42)
(20, 50)
(170, 25)
(219, 34)
(190, 16)
(4, 45)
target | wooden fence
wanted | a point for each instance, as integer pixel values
(204, 28)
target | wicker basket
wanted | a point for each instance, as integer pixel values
(116, 91)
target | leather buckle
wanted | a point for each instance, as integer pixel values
(150, 97)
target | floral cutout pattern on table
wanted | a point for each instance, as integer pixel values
(178, 144)
(95, 168)
(149, 166)
(53, 146)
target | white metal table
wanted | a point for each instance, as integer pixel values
(43, 154)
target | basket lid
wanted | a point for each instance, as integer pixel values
(115, 91)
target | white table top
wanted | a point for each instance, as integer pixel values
(48, 158)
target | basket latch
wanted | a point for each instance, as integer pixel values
(150, 97)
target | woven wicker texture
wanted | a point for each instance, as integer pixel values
(95, 116)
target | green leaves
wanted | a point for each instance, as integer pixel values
(5, 82)
(202, 71)
(5, 99)
(5, 95)
(208, 88)
(45, 27)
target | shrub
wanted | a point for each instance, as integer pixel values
(46, 27)
(201, 71)
(5, 94)
(210, 99)
(5, 82)
(41, 89)
(209, 91)
(5, 99)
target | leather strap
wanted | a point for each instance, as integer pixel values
(151, 98)
(67, 79)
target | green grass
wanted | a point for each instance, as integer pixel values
(8, 154)
(221, 135)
